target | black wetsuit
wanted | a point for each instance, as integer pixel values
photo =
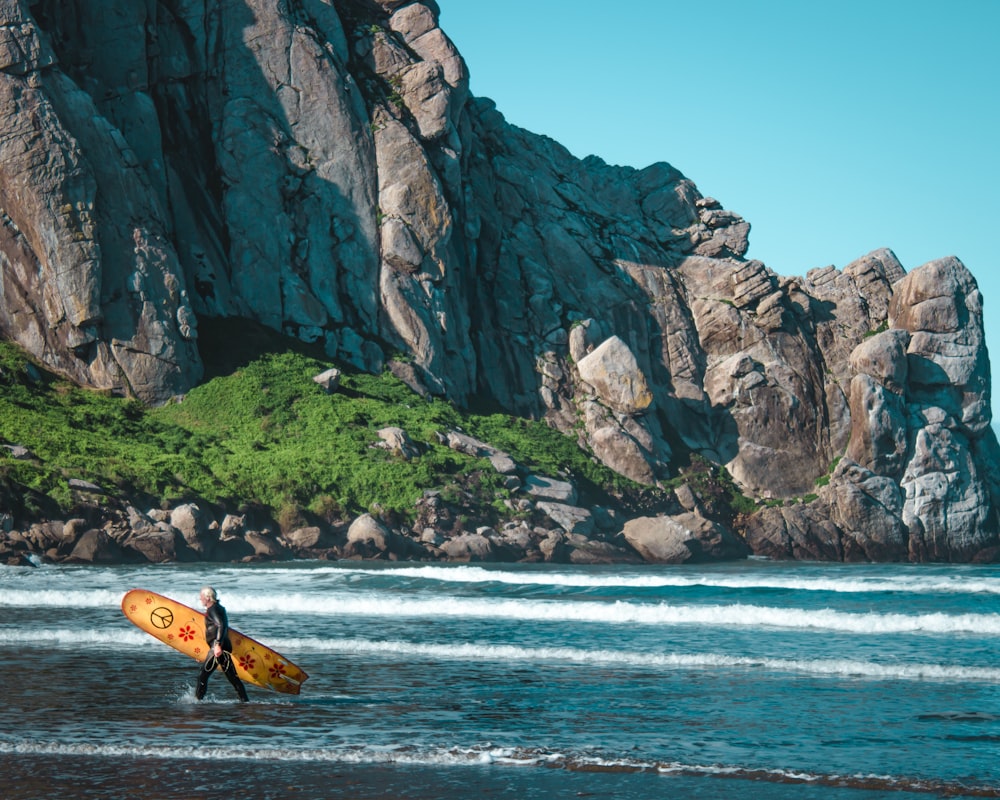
(217, 630)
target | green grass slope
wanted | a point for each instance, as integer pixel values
(260, 431)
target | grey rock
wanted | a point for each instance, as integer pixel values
(613, 372)
(517, 536)
(661, 540)
(681, 538)
(80, 485)
(553, 548)
(96, 547)
(73, 529)
(368, 532)
(193, 525)
(463, 443)
(329, 380)
(398, 442)
(571, 519)
(504, 464)
(158, 546)
(883, 357)
(141, 523)
(265, 545)
(584, 550)
(369, 537)
(233, 525)
(867, 508)
(44, 535)
(802, 532)
(879, 431)
(550, 489)
(940, 306)
(469, 547)
(304, 538)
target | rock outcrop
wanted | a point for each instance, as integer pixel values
(322, 168)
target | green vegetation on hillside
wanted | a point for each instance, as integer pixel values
(263, 432)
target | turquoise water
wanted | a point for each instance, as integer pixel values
(752, 679)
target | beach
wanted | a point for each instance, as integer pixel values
(752, 679)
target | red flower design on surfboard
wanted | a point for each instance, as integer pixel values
(277, 670)
(247, 662)
(187, 633)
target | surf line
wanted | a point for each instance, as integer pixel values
(583, 611)
(476, 652)
(741, 615)
(457, 756)
(856, 585)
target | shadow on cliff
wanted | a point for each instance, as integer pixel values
(244, 239)
(229, 344)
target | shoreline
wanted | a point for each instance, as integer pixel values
(33, 775)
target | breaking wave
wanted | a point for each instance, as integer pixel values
(735, 615)
(97, 639)
(485, 755)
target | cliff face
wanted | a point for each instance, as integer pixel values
(321, 167)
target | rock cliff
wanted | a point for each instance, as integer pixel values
(320, 167)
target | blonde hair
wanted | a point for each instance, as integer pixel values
(209, 592)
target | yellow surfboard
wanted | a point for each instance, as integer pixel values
(183, 628)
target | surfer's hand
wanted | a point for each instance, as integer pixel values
(217, 650)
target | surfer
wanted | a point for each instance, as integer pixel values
(219, 647)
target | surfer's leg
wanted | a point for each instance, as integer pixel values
(206, 670)
(234, 679)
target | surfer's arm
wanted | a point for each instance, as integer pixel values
(219, 624)
(223, 632)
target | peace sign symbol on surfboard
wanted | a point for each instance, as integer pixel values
(161, 617)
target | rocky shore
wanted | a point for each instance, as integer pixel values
(189, 533)
(545, 522)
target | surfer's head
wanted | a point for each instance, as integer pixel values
(208, 595)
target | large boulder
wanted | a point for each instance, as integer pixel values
(571, 519)
(306, 538)
(469, 547)
(96, 547)
(544, 488)
(159, 545)
(193, 524)
(682, 538)
(613, 373)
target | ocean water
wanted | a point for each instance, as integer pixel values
(748, 680)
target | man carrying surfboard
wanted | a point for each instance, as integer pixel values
(220, 649)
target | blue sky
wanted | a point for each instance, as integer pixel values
(833, 128)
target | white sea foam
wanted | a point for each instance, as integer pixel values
(359, 754)
(98, 639)
(87, 638)
(475, 652)
(620, 613)
(376, 604)
(345, 755)
(460, 756)
(915, 583)
(915, 580)
(59, 598)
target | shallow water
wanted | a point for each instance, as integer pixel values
(753, 679)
